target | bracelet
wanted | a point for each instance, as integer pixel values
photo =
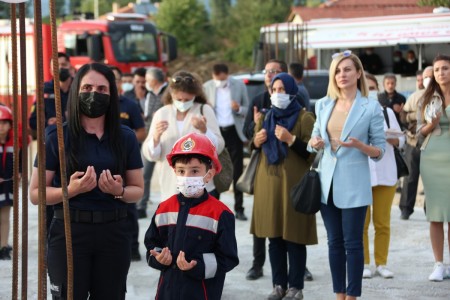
(121, 195)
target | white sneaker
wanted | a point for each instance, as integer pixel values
(367, 273)
(447, 272)
(438, 272)
(384, 272)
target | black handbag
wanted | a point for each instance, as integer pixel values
(246, 181)
(402, 167)
(306, 196)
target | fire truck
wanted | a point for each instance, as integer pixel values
(127, 41)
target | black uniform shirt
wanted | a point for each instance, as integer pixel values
(96, 152)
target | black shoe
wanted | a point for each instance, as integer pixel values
(135, 255)
(141, 214)
(5, 254)
(308, 276)
(405, 216)
(254, 273)
(241, 216)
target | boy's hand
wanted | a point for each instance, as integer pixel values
(164, 258)
(182, 264)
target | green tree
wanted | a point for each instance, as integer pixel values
(188, 21)
(220, 10)
(444, 3)
(247, 17)
(104, 6)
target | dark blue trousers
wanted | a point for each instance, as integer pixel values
(279, 250)
(345, 246)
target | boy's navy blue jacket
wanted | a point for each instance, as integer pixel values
(204, 229)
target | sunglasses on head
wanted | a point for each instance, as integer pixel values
(345, 53)
(187, 79)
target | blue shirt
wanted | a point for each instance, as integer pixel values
(49, 105)
(130, 113)
(304, 96)
(97, 153)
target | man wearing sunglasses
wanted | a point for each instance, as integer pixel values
(229, 99)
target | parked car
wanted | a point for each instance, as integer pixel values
(316, 82)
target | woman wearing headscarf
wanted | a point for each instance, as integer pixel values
(282, 135)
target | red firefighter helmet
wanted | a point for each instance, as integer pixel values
(195, 143)
(5, 113)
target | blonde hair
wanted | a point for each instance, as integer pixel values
(334, 91)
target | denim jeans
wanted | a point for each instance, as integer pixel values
(345, 246)
(279, 250)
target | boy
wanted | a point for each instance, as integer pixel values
(6, 178)
(191, 238)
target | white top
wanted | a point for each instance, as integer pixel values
(223, 109)
(167, 179)
(384, 171)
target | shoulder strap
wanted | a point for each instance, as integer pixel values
(386, 117)
(316, 161)
(201, 109)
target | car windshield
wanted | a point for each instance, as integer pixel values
(134, 46)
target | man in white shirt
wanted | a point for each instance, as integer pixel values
(229, 99)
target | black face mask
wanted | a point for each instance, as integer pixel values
(64, 74)
(93, 105)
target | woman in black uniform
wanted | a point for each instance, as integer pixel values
(104, 170)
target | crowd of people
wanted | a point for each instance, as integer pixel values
(119, 127)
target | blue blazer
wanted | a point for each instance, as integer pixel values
(348, 168)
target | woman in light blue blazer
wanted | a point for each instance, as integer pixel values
(349, 128)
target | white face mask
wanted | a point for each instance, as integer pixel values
(280, 100)
(126, 86)
(220, 83)
(373, 95)
(191, 187)
(183, 106)
(426, 81)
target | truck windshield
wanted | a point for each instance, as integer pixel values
(134, 46)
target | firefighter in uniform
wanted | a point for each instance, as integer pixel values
(104, 173)
(191, 238)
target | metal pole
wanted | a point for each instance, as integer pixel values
(61, 152)
(24, 106)
(15, 84)
(39, 75)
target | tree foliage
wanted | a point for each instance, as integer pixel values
(444, 3)
(104, 6)
(220, 10)
(188, 21)
(247, 17)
